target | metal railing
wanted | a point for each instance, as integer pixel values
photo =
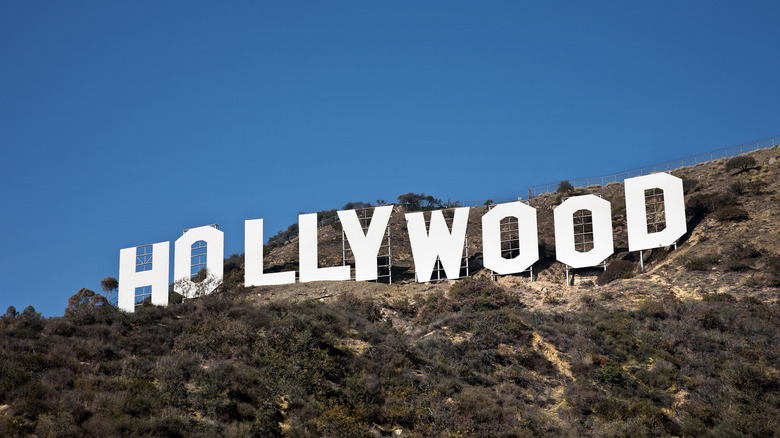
(663, 167)
(617, 177)
(485, 202)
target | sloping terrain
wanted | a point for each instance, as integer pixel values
(738, 255)
(687, 348)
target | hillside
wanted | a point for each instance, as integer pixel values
(687, 348)
(718, 247)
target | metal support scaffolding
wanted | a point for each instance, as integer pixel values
(654, 210)
(384, 257)
(583, 230)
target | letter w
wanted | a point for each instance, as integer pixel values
(438, 242)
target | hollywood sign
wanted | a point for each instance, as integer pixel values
(146, 269)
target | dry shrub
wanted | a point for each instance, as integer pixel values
(731, 213)
(739, 256)
(703, 263)
(615, 270)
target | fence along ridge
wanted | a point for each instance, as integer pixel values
(621, 176)
(661, 167)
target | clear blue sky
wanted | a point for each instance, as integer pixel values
(122, 123)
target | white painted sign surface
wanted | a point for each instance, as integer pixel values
(307, 252)
(427, 243)
(156, 277)
(636, 215)
(438, 241)
(215, 256)
(366, 246)
(601, 212)
(528, 238)
(253, 258)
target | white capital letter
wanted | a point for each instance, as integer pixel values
(253, 259)
(307, 252)
(143, 266)
(189, 252)
(426, 246)
(365, 247)
(601, 213)
(636, 212)
(527, 235)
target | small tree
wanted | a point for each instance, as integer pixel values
(419, 201)
(565, 187)
(84, 299)
(741, 163)
(29, 323)
(356, 205)
(10, 316)
(87, 307)
(110, 286)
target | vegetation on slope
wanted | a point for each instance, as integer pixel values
(664, 353)
(471, 362)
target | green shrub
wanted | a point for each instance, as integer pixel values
(610, 373)
(282, 237)
(702, 263)
(227, 365)
(479, 293)
(84, 299)
(356, 205)
(419, 201)
(740, 163)
(738, 188)
(756, 187)
(702, 204)
(719, 298)
(553, 298)
(56, 425)
(564, 187)
(9, 317)
(739, 256)
(689, 184)
(340, 421)
(731, 213)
